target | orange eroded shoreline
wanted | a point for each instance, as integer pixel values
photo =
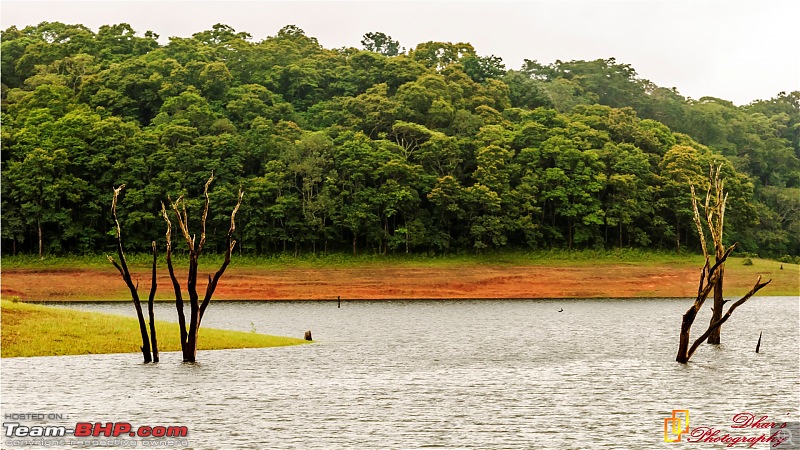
(477, 281)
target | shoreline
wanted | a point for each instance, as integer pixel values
(471, 280)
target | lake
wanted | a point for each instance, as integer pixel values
(435, 374)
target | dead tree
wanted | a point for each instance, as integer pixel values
(196, 308)
(149, 342)
(714, 211)
(711, 276)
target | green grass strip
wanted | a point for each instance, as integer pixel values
(34, 330)
(553, 257)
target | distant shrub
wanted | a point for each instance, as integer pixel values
(747, 262)
(789, 259)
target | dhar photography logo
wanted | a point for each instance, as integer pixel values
(746, 429)
(676, 426)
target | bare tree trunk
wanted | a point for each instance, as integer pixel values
(686, 326)
(716, 312)
(175, 285)
(190, 352)
(122, 267)
(151, 298)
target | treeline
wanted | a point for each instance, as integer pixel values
(434, 149)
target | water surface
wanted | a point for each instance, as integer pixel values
(442, 374)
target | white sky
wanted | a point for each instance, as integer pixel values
(736, 50)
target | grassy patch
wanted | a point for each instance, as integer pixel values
(34, 330)
(785, 277)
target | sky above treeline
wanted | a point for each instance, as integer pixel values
(735, 50)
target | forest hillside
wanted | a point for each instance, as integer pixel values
(434, 149)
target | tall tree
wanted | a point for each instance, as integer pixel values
(44, 190)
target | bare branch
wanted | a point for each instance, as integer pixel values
(698, 224)
(182, 220)
(722, 216)
(114, 206)
(721, 261)
(205, 214)
(169, 226)
(231, 243)
(119, 234)
(702, 278)
(185, 225)
(111, 258)
(720, 198)
(123, 266)
(175, 284)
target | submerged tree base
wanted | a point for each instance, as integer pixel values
(35, 330)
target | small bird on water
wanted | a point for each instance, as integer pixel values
(561, 310)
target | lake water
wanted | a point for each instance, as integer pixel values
(437, 374)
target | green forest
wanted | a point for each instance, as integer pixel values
(380, 149)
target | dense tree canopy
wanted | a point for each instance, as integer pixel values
(381, 149)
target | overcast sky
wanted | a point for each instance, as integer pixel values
(736, 50)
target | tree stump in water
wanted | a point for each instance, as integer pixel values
(308, 335)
